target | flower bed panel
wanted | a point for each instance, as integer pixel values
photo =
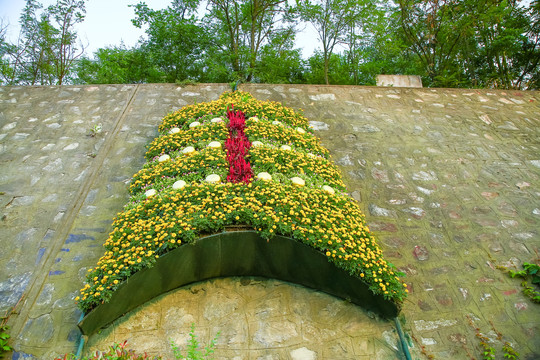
(239, 253)
(285, 186)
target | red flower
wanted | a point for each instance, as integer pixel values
(237, 146)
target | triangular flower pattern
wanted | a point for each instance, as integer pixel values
(238, 161)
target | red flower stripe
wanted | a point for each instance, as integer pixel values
(237, 146)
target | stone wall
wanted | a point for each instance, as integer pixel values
(412, 81)
(449, 180)
(256, 319)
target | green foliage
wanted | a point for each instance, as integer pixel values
(46, 49)
(488, 351)
(177, 42)
(454, 43)
(121, 352)
(339, 70)
(331, 19)
(465, 43)
(534, 271)
(118, 65)
(115, 352)
(279, 64)
(95, 130)
(530, 272)
(434, 32)
(509, 352)
(240, 30)
(4, 338)
(193, 348)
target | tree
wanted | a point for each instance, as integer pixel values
(17, 68)
(331, 19)
(434, 30)
(279, 63)
(177, 41)
(338, 71)
(504, 52)
(118, 65)
(46, 49)
(473, 43)
(6, 49)
(66, 13)
(381, 49)
(532, 79)
(243, 27)
(372, 45)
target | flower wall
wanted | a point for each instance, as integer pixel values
(237, 161)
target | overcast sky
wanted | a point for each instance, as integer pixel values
(108, 22)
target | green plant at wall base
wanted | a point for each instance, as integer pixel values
(121, 352)
(4, 337)
(115, 352)
(192, 348)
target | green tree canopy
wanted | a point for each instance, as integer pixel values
(450, 43)
(177, 42)
(46, 49)
(118, 65)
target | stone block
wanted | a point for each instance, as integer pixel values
(412, 81)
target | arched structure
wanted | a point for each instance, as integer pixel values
(236, 253)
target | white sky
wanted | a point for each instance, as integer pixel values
(108, 22)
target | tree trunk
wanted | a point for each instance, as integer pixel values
(326, 64)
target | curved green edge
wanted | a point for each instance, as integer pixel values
(237, 253)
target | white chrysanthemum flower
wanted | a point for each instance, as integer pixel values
(329, 189)
(213, 178)
(214, 145)
(188, 150)
(150, 193)
(300, 130)
(298, 181)
(194, 124)
(179, 184)
(216, 120)
(285, 147)
(164, 157)
(254, 118)
(311, 155)
(256, 143)
(276, 122)
(264, 176)
(174, 130)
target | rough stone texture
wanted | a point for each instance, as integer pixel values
(58, 199)
(255, 318)
(449, 180)
(413, 81)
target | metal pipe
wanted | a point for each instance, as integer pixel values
(402, 340)
(81, 342)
